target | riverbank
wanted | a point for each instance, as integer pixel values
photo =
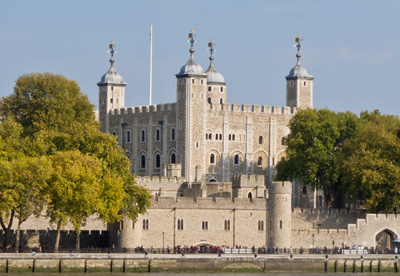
(205, 263)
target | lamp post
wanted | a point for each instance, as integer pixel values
(163, 242)
(118, 233)
(313, 235)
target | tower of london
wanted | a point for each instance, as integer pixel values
(210, 167)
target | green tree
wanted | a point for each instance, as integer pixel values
(21, 177)
(56, 117)
(313, 149)
(371, 163)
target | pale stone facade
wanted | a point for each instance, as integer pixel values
(210, 167)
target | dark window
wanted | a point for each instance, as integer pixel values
(158, 161)
(209, 100)
(236, 159)
(209, 88)
(250, 195)
(220, 137)
(222, 89)
(280, 224)
(143, 161)
(173, 134)
(145, 224)
(157, 135)
(133, 225)
(260, 140)
(122, 224)
(180, 224)
(212, 158)
(259, 162)
(173, 158)
(128, 136)
(283, 141)
(216, 136)
(221, 101)
(143, 136)
(227, 225)
(192, 80)
(204, 225)
(210, 136)
(233, 137)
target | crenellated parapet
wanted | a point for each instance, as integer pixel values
(207, 203)
(332, 211)
(251, 180)
(254, 108)
(144, 109)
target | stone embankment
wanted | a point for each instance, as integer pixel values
(244, 263)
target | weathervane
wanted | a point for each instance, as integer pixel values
(211, 48)
(191, 36)
(111, 47)
(298, 45)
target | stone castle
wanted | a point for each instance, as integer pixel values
(210, 167)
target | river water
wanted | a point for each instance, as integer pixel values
(204, 274)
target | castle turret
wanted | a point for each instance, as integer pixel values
(191, 106)
(111, 92)
(216, 89)
(299, 84)
(280, 214)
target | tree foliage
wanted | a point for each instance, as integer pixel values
(85, 172)
(356, 157)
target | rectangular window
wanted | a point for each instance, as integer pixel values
(122, 224)
(145, 224)
(204, 225)
(280, 224)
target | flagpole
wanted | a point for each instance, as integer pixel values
(151, 60)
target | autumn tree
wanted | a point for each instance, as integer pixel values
(58, 120)
(371, 163)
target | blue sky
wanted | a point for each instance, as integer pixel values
(350, 47)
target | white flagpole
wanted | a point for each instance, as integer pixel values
(151, 59)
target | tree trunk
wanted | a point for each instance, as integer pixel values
(77, 240)
(6, 229)
(57, 237)
(18, 236)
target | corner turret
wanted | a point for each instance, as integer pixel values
(111, 91)
(299, 84)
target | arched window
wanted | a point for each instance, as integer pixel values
(304, 190)
(220, 137)
(158, 161)
(209, 88)
(210, 136)
(250, 195)
(173, 134)
(206, 136)
(260, 140)
(216, 136)
(192, 80)
(259, 162)
(233, 137)
(143, 136)
(209, 100)
(230, 137)
(221, 101)
(157, 135)
(236, 159)
(114, 133)
(212, 158)
(173, 158)
(283, 141)
(222, 89)
(128, 136)
(143, 161)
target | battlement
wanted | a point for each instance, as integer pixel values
(332, 211)
(254, 108)
(208, 203)
(282, 187)
(252, 180)
(143, 180)
(143, 109)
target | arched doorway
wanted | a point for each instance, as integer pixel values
(384, 240)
